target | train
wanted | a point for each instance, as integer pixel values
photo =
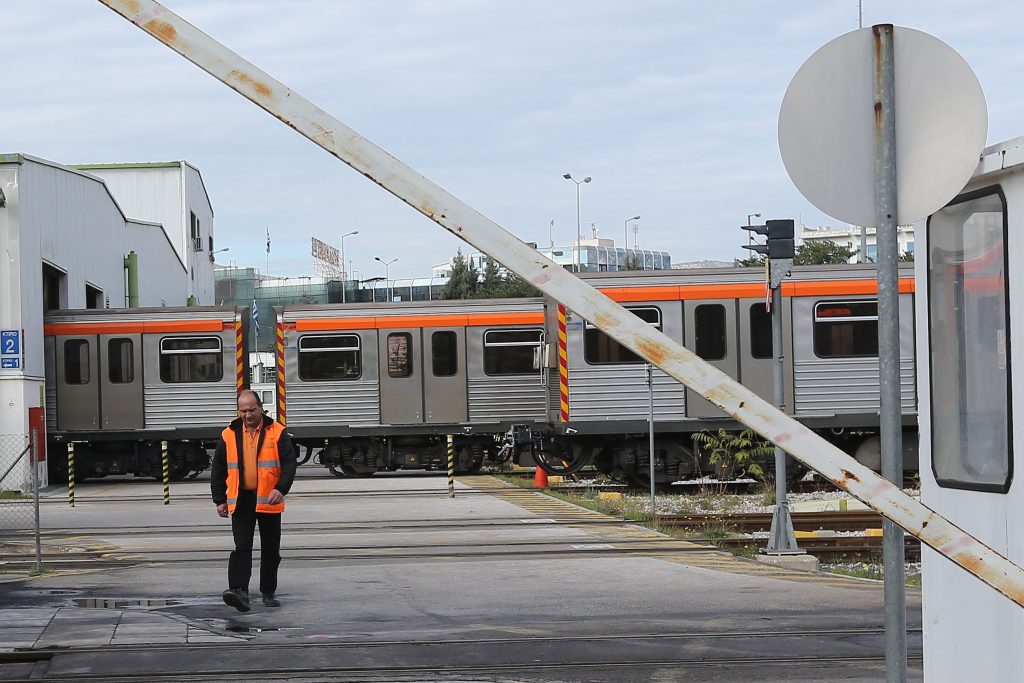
(371, 387)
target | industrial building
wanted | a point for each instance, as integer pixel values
(69, 238)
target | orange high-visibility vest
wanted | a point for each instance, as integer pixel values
(268, 464)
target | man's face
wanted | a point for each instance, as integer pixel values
(252, 414)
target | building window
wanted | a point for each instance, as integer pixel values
(121, 361)
(968, 323)
(845, 329)
(399, 354)
(329, 357)
(510, 352)
(76, 361)
(709, 331)
(191, 359)
(268, 397)
(599, 348)
(760, 332)
(444, 353)
(197, 238)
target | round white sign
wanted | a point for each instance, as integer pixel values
(827, 122)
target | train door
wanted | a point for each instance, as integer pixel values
(755, 346)
(120, 377)
(401, 376)
(710, 332)
(444, 375)
(78, 384)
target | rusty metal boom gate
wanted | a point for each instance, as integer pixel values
(470, 225)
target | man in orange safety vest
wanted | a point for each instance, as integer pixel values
(253, 469)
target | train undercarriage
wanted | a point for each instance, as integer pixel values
(363, 456)
(186, 459)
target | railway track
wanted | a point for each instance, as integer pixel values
(751, 522)
(832, 549)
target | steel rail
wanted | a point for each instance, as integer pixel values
(470, 225)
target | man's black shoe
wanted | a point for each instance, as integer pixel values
(270, 601)
(238, 599)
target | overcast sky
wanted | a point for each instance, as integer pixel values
(670, 106)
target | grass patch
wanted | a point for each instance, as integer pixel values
(12, 495)
(869, 571)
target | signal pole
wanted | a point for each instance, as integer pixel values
(778, 252)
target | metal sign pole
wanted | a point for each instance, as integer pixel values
(652, 345)
(34, 462)
(891, 422)
(650, 431)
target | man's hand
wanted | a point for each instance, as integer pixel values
(222, 509)
(275, 497)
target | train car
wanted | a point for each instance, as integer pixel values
(830, 355)
(372, 387)
(118, 382)
(969, 316)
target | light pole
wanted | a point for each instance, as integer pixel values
(750, 235)
(213, 253)
(579, 235)
(625, 235)
(344, 273)
(387, 275)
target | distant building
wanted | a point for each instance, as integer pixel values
(850, 236)
(592, 255)
(706, 263)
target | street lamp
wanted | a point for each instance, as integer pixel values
(344, 273)
(212, 253)
(579, 235)
(387, 276)
(750, 234)
(625, 233)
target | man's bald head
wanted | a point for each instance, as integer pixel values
(250, 408)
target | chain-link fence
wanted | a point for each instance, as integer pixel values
(19, 497)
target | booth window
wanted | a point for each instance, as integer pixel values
(968, 340)
(185, 360)
(329, 357)
(510, 352)
(600, 349)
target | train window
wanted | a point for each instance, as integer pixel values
(760, 331)
(968, 341)
(510, 352)
(185, 360)
(444, 353)
(709, 331)
(76, 361)
(599, 348)
(400, 354)
(329, 357)
(845, 329)
(121, 361)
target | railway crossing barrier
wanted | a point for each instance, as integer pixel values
(652, 345)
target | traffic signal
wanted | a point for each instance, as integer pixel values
(780, 239)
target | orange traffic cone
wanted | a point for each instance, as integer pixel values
(540, 478)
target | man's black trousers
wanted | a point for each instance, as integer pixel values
(243, 525)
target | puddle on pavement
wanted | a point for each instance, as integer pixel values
(123, 603)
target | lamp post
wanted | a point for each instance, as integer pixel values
(213, 253)
(625, 235)
(387, 274)
(579, 235)
(344, 273)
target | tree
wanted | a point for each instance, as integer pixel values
(751, 261)
(491, 282)
(632, 262)
(464, 280)
(822, 252)
(907, 256)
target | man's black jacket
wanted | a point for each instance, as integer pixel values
(219, 471)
